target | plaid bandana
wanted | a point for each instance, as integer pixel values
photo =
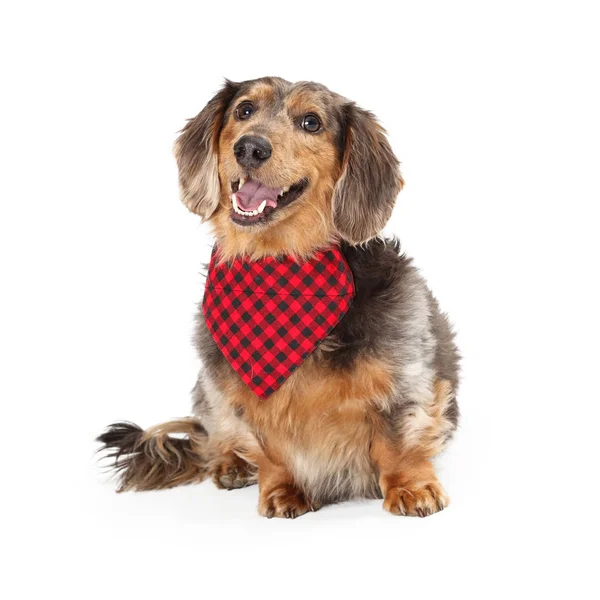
(267, 316)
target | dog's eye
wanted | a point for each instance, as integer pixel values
(244, 110)
(311, 123)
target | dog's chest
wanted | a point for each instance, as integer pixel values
(320, 423)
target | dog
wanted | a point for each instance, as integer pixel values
(289, 172)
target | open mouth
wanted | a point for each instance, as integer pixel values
(252, 202)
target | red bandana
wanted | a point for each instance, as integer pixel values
(267, 316)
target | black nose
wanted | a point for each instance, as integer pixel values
(252, 151)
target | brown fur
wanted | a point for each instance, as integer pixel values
(406, 475)
(366, 412)
(353, 184)
(312, 394)
(407, 480)
(303, 227)
(197, 155)
(366, 191)
(154, 459)
(279, 496)
(232, 472)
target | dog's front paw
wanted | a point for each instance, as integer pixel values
(232, 472)
(416, 500)
(284, 501)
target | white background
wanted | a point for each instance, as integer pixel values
(493, 109)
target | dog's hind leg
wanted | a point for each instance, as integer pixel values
(230, 472)
(235, 447)
(406, 474)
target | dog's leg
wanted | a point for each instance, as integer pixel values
(407, 480)
(402, 451)
(278, 495)
(231, 472)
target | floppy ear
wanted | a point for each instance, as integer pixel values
(196, 151)
(366, 191)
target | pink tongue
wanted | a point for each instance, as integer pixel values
(250, 196)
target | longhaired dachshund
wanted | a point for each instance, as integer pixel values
(329, 372)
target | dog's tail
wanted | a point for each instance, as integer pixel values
(154, 458)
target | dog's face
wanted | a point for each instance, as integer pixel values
(286, 168)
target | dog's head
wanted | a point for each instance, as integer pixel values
(280, 167)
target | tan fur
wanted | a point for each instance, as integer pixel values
(329, 433)
(303, 227)
(300, 233)
(320, 424)
(278, 495)
(160, 433)
(261, 93)
(407, 479)
(406, 475)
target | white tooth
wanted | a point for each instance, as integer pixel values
(242, 182)
(234, 202)
(254, 213)
(261, 207)
(285, 190)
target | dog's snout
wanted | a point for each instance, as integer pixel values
(252, 151)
